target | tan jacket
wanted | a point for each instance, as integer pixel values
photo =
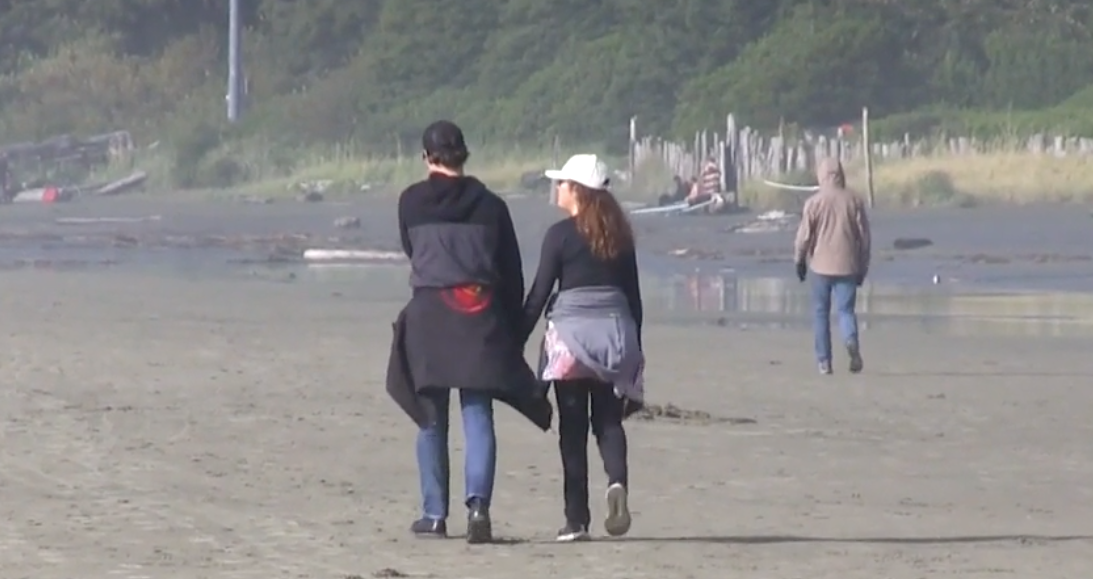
(834, 237)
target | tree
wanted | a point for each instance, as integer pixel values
(817, 67)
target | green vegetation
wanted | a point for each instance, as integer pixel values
(340, 89)
(1001, 173)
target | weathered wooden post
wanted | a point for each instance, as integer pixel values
(696, 154)
(632, 161)
(732, 145)
(867, 151)
(555, 149)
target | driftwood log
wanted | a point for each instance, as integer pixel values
(122, 185)
(90, 150)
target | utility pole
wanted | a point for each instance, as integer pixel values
(235, 64)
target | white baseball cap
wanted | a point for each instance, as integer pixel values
(586, 169)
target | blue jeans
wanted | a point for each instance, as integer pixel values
(481, 452)
(844, 291)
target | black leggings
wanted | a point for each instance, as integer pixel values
(606, 415)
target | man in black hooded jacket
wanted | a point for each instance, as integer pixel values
(460, 330)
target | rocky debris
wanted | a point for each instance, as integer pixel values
(984, 259)
(905, 243)
(57, 264)
(98, 220)
(325, 187)
(314, 186)
(254, 200)
(1037, 258)
(657, 412)
(768, 222)
(767, 254)
(692, 253)
(1058, 258)
(534, 181)
(270, 259)
(123, 240)
(348, 222)
(389, 572)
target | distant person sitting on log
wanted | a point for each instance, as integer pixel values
(708, 185)
(679, 192)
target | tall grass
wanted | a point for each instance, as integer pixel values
(1001, 177)
(258, 169)
(347, 171)
(1002, 172)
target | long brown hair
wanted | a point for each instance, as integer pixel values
(602, 222)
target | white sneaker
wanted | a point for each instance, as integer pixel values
(573, 534)
(617, 522)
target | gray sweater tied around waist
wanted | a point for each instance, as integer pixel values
(596, 326)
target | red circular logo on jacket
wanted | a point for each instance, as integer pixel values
(467, 299)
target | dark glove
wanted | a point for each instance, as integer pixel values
(861, 279)
(802, 271)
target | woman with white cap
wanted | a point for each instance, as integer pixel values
(592, 346)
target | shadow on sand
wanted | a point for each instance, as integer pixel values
(1027, 540)
(988, 374)
(781, 539)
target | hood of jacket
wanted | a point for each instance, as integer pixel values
(830, 175)
(451, 198)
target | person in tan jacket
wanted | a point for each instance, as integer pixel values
(833, 241)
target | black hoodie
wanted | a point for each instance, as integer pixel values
(457, 232)
(461, 328)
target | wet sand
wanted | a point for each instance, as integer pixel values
(1047, 248)
(237, 427)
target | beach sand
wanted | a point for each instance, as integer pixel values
(165, 428)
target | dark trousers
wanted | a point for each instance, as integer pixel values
(581, 403)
